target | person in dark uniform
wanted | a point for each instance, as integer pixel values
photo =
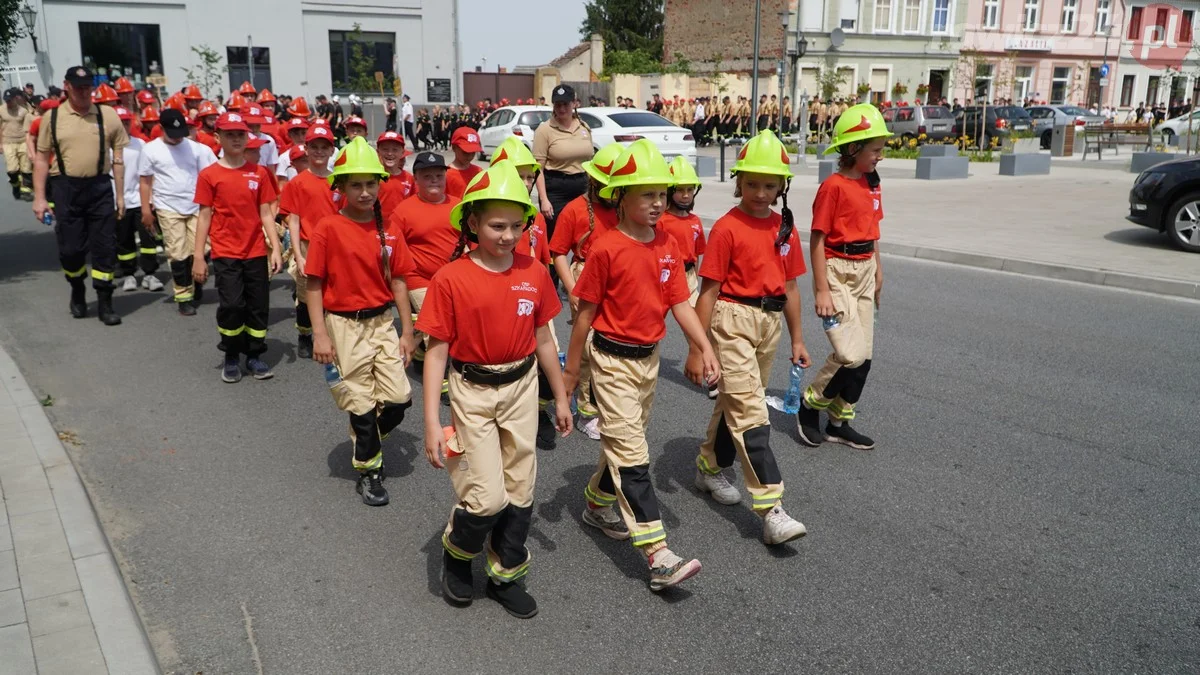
(87, 142)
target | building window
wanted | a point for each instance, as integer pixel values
(239, 67)
(1069, 10)
(1060, 84)
(1031, 14)
(883, 16)
(1152, 89)
(355, 57)
(134, 49)
(912, 16)
(1024, 84)
(941, 16)
(991, 14)
(1127, 85)
(849, 14)
(1103, 15)
(1185, 26)
(1161, 21)
(984, 73)
(1135, 23)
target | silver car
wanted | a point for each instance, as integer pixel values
(1046, 117)
(909, 122)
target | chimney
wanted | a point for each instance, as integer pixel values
(596, 60)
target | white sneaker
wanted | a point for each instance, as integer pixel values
(151, 283)
(130, 283)
(668, 569)
(159, 250)
(606, 520)
(590, 426)
(780, 528)
(718, 486)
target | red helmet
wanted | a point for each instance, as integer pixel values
(104, 94)
(145, 97)
(192, 93)
(123, 113)
(265, 96)
(299, 107)
(124, 86)
(247, 89)
(236, 102)
(176, 102)
(356, 121)
(149, 115)
(207, 109)
(297, 123)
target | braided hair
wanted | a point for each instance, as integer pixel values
(588, 197)
(464, 238)
(787, 224)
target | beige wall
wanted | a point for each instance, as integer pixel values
(641, 87)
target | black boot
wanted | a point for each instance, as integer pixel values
(78, 301)
(457, 585)
(370, 486)
(514, 599)
(304, 347)
(104, 309)
(546, 432)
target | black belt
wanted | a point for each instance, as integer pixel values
(770, 303)
(477, 374)
(688, 267)
(363, 313)
(564, 175)
(622, 349)
(854, 248)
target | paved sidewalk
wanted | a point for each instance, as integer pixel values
(1067, 225)
(63, 604)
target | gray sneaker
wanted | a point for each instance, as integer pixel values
(718, 486)
(780, 528)
(668, 569)
(607, 521)
(130, 284)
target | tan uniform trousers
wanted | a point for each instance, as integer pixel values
(838, 385)
(693, 283)
(367, 353)
(416, 298)
(745, 339)
(624, 389)
(583, 398)
(16, 158)
(494, 430)
(301, 280)
(179, 243)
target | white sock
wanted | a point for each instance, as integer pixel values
(836, 423)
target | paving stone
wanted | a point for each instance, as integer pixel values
(25, 503)
(56, 613)
(122, 639)
(84, 535)
(6, 543)
(16, 451)
(12, 609)
(71, 652)
(17, 649)
(38, 534)
(8, 571)
(23, 479)
(47, 575)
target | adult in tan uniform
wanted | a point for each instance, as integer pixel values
(561, 145)
(88, 143)
(14, 124)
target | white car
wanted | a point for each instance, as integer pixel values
(513, 120)
(1179, 126)
(626, 125)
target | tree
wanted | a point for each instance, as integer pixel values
(209, 74)
(634, 62)
(360, 71)
(12, 28)
(830, 78)
(626, 25)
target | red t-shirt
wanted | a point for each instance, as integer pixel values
(489, 318)
(847, 211)
(634, 284)
(157, 132)
(573, 223)
(235, 195)
(458, 179)
(310, 197)
(430, 237)
(210, 140)
(688, 233)
(346, 255)
(533, 243)
(395, 190)
(741, 254)
(34, 126)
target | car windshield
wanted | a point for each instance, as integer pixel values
(1074, 110)
(639, 119)
(936, 112)
(1011, 112)
(534, 118)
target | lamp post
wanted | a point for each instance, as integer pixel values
(29, 16)
(786, 19)
(796, 53)
(754, 80)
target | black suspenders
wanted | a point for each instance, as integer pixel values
(62, 169)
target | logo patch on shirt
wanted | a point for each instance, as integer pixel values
(785, 249)
(524, 307)
(876, 204)
(666, 274)
(532, 241)
(253, 184)
(525, 287)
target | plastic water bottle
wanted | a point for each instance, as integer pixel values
(48, 218)
(333, 376)
(562, 359)
(791, 400)
(830, 322)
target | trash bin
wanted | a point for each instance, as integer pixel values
(1062, 141)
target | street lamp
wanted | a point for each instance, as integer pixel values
(29, 16)
(786, 19)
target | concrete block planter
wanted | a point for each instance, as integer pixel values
(1024, 164)
(1144, 160)
(942, 168)
(825, 169)
(939, 151)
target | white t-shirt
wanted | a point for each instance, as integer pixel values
(133, 193)
(406, 113)
(284, 168)
(175, 169)
(268, 154)
(699, 115)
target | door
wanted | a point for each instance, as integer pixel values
(937, 85)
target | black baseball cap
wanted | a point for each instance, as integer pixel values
(173, 123)
(79, 76)
(429, 160)
(563, 93)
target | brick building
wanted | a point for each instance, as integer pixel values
(703, 30)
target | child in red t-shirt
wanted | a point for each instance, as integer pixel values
(355, 267)
(400, 184)
(750, 268)
(486, 313)
(634, 276)
(847, 276)
(465, 144)
(235, 199)
(683, 225)
(307, 199)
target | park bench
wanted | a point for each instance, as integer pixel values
(1097, 137)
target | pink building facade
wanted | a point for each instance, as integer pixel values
(1046, 50)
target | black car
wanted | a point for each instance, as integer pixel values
(998, 122)
(1166, 197)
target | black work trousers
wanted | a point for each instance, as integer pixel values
(86, 227)
(561, 188)
(136, 247)
(243, 289)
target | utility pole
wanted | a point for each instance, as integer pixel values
(250, 57)
(754, 80)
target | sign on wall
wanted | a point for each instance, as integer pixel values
(437, 90)
(1028, 44)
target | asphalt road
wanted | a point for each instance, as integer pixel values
(1032, 506)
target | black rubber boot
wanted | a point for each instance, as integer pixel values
(370, 486)
(79, 301)
(514, 599)
(104, 309)
(304, 347)
(809, 421)
(186, 308)
(546, 433)
(457, 585)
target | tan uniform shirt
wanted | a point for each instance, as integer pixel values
(559, 149)
(13, 125)
(79, 141)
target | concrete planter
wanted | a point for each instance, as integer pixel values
(825, 169)
(942, 168)
(1024, 164)
(821, 148)
(1144, 160)
(1022, 146)
(939, 151)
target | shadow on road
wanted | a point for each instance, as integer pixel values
(27, 251)
(399, 450)
(1142, 237)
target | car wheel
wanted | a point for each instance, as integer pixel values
(1183, 223)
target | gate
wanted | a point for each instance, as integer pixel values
(496, 86)
(583, 90)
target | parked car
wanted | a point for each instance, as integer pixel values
(909, 122)
(1178, 127)
(998, 122)
(1166, 197)
(514, 120)
(626, 125)
(1046, 117)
